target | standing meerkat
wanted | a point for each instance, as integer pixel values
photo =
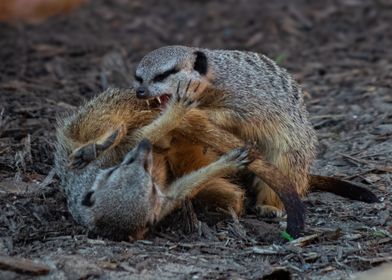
(246, 94)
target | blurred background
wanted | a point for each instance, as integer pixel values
(70, 41)
(35, 10)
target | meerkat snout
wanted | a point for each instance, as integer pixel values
(141, 92)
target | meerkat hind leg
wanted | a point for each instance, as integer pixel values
(266, 202)
(221, 193)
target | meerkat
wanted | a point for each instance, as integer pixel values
(108, 126)
(246, 94)
(125, 200)
(103, 131)
(112, 123)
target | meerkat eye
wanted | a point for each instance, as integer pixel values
(164, 75)
(139, 79)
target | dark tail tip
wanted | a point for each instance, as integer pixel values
(342, 188)
(295, 210)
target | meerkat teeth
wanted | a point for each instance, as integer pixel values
(159, 100)
(148, 102)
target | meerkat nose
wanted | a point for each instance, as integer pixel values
(141, 92)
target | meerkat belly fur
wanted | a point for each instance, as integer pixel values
(246, 94)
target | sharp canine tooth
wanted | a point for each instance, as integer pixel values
(159, 100)
(148, 102)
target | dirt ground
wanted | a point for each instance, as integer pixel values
(339, 50)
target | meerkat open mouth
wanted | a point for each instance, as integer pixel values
(159, 101)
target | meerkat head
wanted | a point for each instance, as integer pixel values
(124, 199)
(159, 72)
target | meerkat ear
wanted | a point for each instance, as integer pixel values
(201, 63)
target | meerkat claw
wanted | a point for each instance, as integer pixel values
(197, 87)
(188, 85)
(239, 156)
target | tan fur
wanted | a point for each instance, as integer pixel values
(220, 193)
(193, 125)
(272, 139)
(120, 110)
(217, 192)
(198, 126)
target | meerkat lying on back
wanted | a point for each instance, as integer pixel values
(112, 123)
(244, 93)
(124, 200)
(120, 199)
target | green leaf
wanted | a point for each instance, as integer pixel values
(286, 236)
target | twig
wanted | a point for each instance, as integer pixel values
(48, 179)
(373, 165)
(24, 266)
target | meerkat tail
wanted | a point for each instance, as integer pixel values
(342, 188)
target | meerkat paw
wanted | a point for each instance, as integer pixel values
(269, 211)
(237, 157)
(183, 97)
(195, 88)
(180, 103)
(82, 156)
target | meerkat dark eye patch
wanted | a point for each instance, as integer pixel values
(87, 201)
(164, 75)
(139, 79)
(201, 64)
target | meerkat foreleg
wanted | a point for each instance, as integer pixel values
(189, 185)
(85, 154)
(171, 118)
